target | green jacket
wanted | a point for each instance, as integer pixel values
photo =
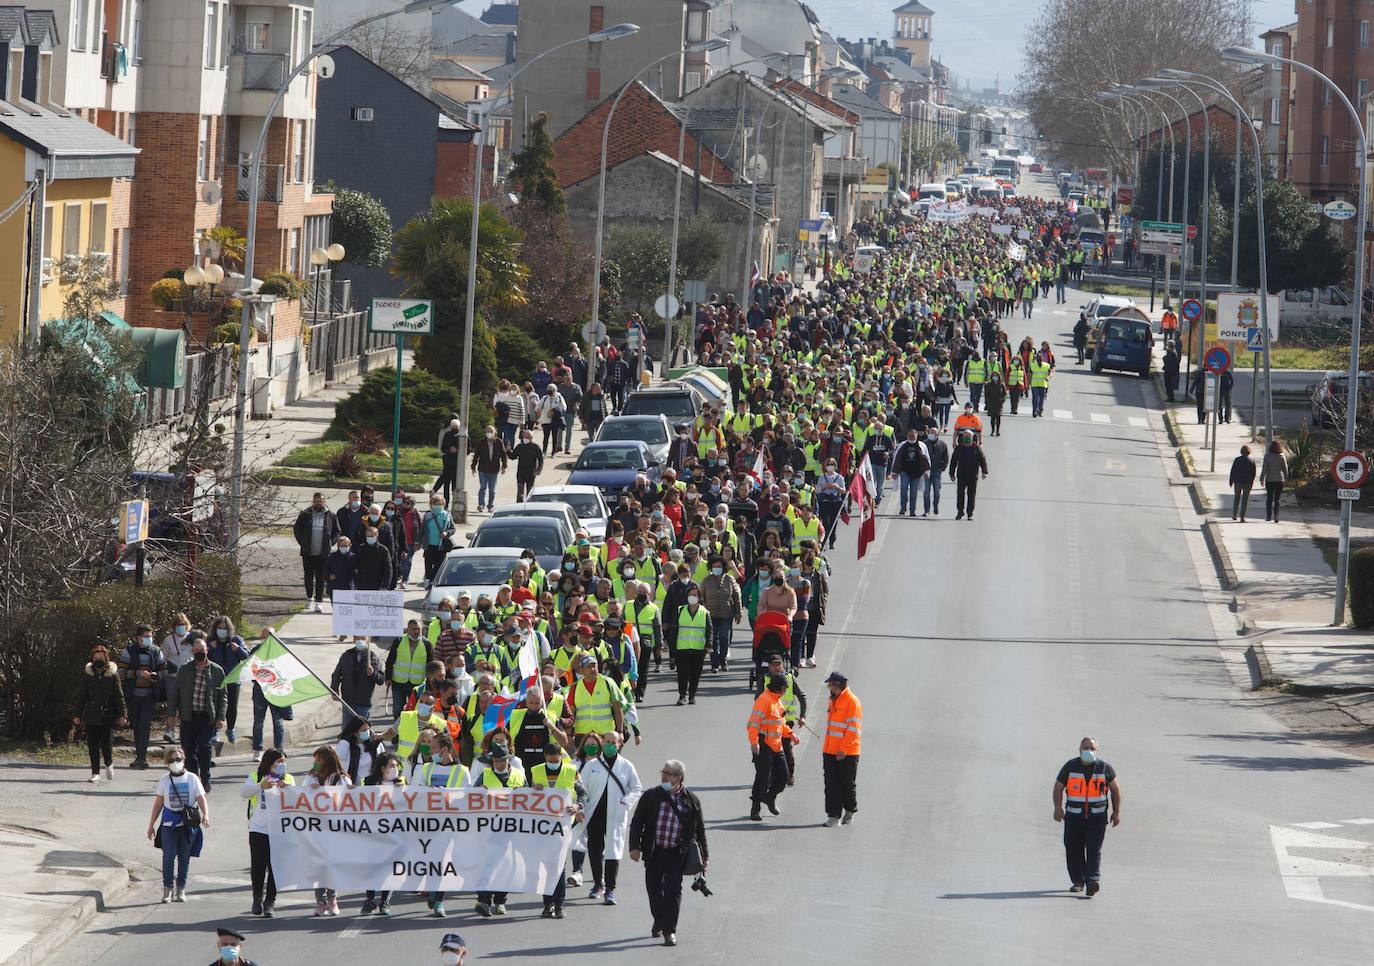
(186, 686)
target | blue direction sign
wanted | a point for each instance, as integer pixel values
(1254, 339)
(1217, 359)
(811, 224)
(1191, 309)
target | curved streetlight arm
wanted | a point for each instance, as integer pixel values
(1213, 84)
(235, 521)
(470, 307)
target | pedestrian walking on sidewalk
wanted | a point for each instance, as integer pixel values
(529, 462)
(965, 465)
(1225, 382)
(488, 462)
(1087, 782)
(1242, 479)
(1273, 474)
(142, 668)
(316, 530)
(448, 454)
(1171, 364)
(270, 774)
(840, 751)
(99, 708)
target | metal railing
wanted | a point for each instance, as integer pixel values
(272, 182)
(334, 295)
(340, 338)
(213, 369)
(263, 71)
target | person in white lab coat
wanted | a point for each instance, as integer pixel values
(613, 790)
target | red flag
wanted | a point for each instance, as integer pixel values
(862, 489)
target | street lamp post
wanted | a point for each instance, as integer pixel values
(700, 47)
(1187, 156)
(254, 189)
(1352, 391)
(1127, 92)
(1215, 85)
(614, 32)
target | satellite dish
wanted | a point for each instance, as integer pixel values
(324, 67)
(211, 193)
(757, 167)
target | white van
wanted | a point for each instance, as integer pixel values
(935, 190)
(1320, 306)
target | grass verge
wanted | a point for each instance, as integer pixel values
(414, 459)
(62, 753)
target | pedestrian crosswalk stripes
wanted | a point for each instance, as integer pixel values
(1063, 414)
(1101, 418)
(1138, 422)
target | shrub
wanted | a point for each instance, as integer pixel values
(226, 333)
(283, 285)
(1306, 454)
(175, 273)
(41, 679)
(167, 290)
(367, 440)
(345, 464)
(427, 403)
(1361, 577)
(516, 353)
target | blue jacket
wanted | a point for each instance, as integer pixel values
(228, 654)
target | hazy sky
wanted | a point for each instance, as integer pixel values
(978, 39)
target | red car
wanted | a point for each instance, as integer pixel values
(1037, 168)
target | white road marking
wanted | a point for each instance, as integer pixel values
(1140, 422)
(1302, 875)
(1358, 821)
(351, 931)
(1101, 418)
(1063, 414)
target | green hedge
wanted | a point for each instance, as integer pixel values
(47, 657)
(1362, 586)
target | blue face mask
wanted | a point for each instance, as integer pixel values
(371, 541)
(422, 711)
(229, 954)
(666, 786)
(181, 630)
(1087, 756)
(360, 645)
(364, 735)
(222, 633)
(279, 769)
(445, 614)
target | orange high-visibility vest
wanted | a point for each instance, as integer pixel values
(843, 724)
(1086, 791)
(766, 725)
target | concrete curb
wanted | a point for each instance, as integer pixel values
(106, 886)
(1201, 503)
(1226, 573)
(1258, 663)
(1171, 427)
(1186, 465)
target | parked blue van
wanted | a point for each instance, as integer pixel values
(1124, 341)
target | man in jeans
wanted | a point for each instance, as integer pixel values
(316, 531)
(910, 464)
(488, 462)
(200, 705)
(720, 596)
(141, 670)
(939, 462)
(260, 708)
(571, 392)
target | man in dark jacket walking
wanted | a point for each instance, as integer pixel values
(359, 671)
(910, 464)
(488, 462)
(448, 453)
(529, 461)
(666, 829)
(1170, 370)
(371, 563)
(1080, 335)
(965, 465)
(1242, 481)
(316, 530)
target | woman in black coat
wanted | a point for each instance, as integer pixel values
(99, 709)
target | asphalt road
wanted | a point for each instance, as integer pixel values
(982, 651)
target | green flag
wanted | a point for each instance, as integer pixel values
(281, 675)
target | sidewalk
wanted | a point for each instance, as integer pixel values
(49, 892)
(1281, 578)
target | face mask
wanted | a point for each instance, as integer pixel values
(222, 633)
(279, 769)
(666, 786)
(360, 645)
(355, 504)
(146, 641)
(794, 571)
(693, 599)
(491, 435)
(777, 581)
(591, 750)
(177, 767)
(1087, 756)
(201, 657)
(455, 624)
(684, 580)
(99, 665)
(371, 541)
(392, 773)
(570, 566)
(346, 551)
(229, 954)
(181, 630)
(445, 614)
(364, 736)
(390, 513)
(422, 711)
(717, 570)
(627, 574)
(610, 751)
(450, 959)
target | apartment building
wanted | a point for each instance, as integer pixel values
(188, 83)
(1335, 38)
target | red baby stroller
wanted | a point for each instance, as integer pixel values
(772, 631)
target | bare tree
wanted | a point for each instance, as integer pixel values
(1079, 47)
(403, 53)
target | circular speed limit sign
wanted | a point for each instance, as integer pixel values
(1349, 468)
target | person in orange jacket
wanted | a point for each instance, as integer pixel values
(840, 753)
(969, 421)
(768, 729)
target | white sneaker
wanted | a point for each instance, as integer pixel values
(179, 894)
(575, 879)
(319, 609)
(848, 817)
(832, 822)
(109, 773)
(166, 895)
(94, 779)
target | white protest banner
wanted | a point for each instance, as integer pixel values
(1001, 229)
(1023, 234)
(1011, 213)
(1016, 253)
(417, 839)
(985, 211)
(965, 285)
(369, 613)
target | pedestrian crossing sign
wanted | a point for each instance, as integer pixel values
(1254, 339)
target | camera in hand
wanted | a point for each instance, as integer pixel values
(699, 885)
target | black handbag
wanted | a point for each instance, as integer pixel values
(189, 812)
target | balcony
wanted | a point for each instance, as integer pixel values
(271, 182)
(263, 71)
